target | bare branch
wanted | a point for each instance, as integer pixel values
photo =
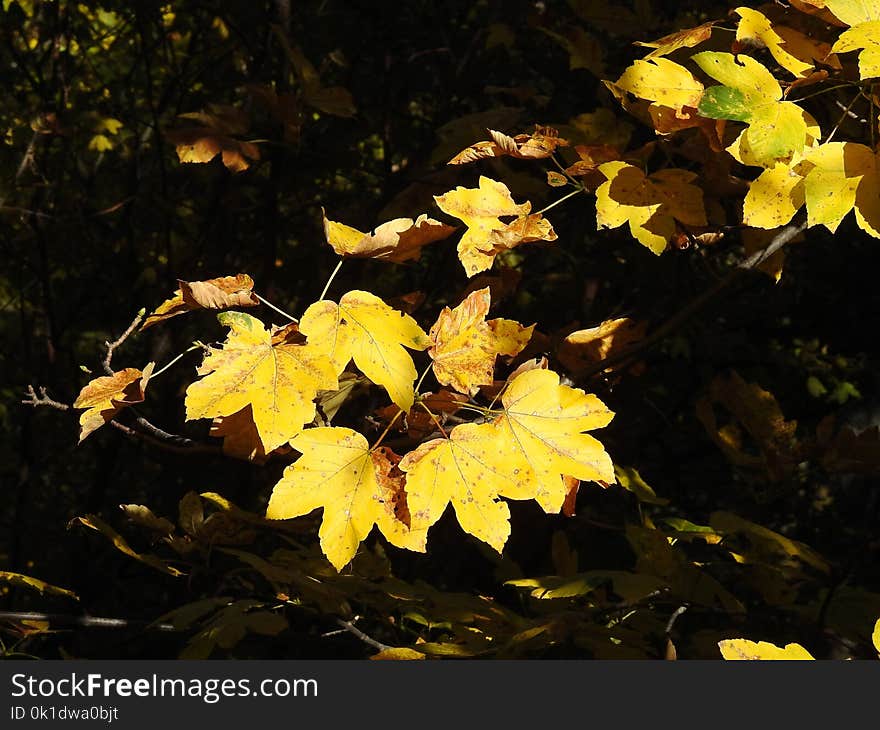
(98, 622)
(111, 346)
(43, 400)
(366, 638)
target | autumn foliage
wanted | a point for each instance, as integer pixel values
(391, 411)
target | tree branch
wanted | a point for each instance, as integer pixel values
(111, 346)
(622, 357)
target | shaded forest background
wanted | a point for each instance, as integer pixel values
(355, 107)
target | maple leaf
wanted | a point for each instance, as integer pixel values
(662, 81)
(214, 136)
(864, 36)
(853, 12)
(777, 130)
(364, 328)
(221, 293)
(465, 345)
(839, 177)
(773, 197)
(398, 240)
(739, 649)
(534, 450)
(480, 208)
(542, 439)
(537, 146)
(104, 397)
(687, 38)
(354, 485)
(277, 379)
(649, 204)
(792, 50)
(464, 469)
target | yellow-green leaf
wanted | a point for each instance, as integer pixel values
(662, 81)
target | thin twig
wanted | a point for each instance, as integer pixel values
(272, 306)
(111, 346)
(43, 400)
(781, 239)
(366, 638)
(97, 622)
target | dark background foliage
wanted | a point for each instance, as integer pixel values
(89, 236)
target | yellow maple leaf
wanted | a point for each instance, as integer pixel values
(398, 240)
(864, 35)
(464, 469)
(854, 12)
(480, 208)
(777, 130)
(465, 345)
(364, 328)
(220, 293)
(649, 204)
(792, 50)
(875, 636)
(581, 350)
(542, 439)
(662, 81)
(339, 472)
(104, 397)
(839, 177)
(279, 380)
(773, 197)
(739, 649)
(535, 449)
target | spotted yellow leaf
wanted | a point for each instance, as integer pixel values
(662, 81)
(738, 649)
(464, 345)
(773, 197)
(279, 380)
(338, 472)
(792, 50)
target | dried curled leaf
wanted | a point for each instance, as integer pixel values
(356, 487)
(465, 345)
(104, 397)
(537, 146)
(399, 240)
(481, 208)
(278, 379)
(223, 292)
(687, 38)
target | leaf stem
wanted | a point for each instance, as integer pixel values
(330, 280)
(272, 306)
(195, 346)
(399, 409)
(561, 200)
(434, 419)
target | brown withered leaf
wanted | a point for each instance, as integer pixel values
(571, 486)
(418, 423)
(753, 412)
(586, 168)
(536, 146)
(241, 440)
(687, 38)
(284, 109)
(392, 484)
(398, 240)
(214, 134)
(848, 450)
(104, 397)
(223, 292)
(525, 229)
(580, 351)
